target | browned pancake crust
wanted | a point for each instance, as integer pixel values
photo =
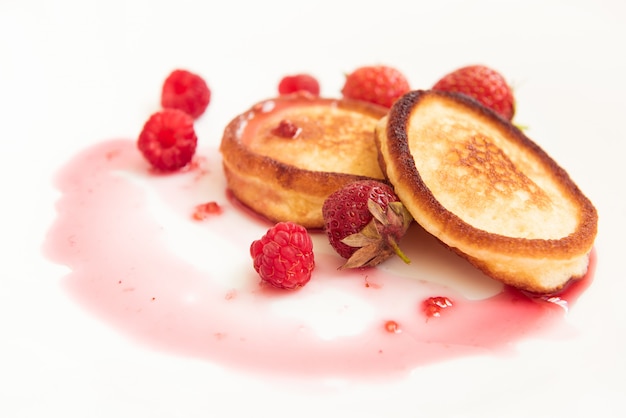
(445, 224)
(288, 179)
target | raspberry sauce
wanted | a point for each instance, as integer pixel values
(140, 262)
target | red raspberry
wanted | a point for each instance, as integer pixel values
(286, 129)
(299, 82)
(483, 84)
(168, 140)
(186, 91)
(379, 84)
(283, 257)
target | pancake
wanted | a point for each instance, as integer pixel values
(284, 156)
(487, 191)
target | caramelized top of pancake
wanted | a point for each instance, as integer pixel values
(475, 170)
(482, 187)
(284, 156)
(330, 135)
(482, 176)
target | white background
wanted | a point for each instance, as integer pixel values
(73, 73)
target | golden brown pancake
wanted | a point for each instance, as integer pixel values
(484, 189)
(284, 156)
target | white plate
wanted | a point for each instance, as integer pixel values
(77, 77)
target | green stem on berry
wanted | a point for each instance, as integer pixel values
(521, 127)
(393, 244)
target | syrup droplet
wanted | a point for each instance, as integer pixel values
(392, 327)
(204, 210)
(435, 304)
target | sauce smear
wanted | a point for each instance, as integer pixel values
(143, 263)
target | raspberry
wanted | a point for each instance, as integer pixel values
(286, 129)
(186, 91)
(168, 140)
(283, 257)
(299, 82)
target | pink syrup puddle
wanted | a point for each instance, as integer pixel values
(125, 271)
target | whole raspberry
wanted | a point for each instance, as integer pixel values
(283, 257)
(186, 91)
(168, 139)
(378, 84)
(483, 84)
(299, 82)
(364, 222)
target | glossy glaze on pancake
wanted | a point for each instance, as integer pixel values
(487, 191)
(286, 178)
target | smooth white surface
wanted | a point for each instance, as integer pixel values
(73, 73)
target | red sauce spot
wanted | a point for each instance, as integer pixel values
(197, 163)
(392, 326)
(434, 305)
(368, 283)
(205, 210)
(112, 154)
(286, 129)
